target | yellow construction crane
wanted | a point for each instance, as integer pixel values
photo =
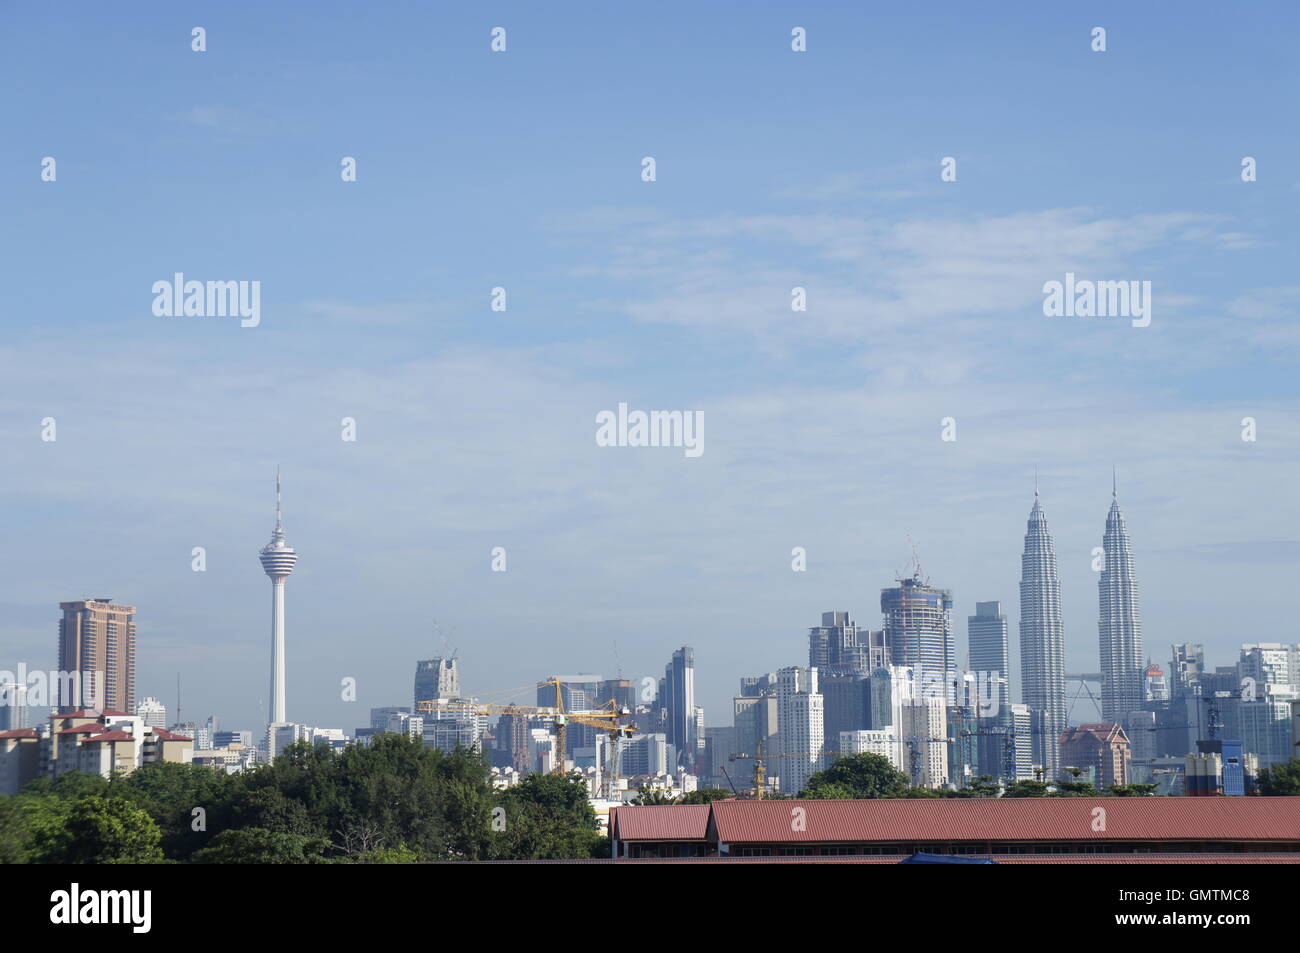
(760, 760)
(606, 717)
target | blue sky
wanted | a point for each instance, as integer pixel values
(476, 428)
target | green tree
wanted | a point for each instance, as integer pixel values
(15, 831)
(1074, 787)
(1280, 780)
(917, 792)
(1132, 790)
(387, 855)
(256, 845)
(93, 830)
(829, 791)
(647, 796)
(861, 776)
(267, 808)
(705, 796)
(171, 793)
(71, 784)
(548, 817)
(1026, 787)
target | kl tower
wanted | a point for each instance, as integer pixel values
(278, 560)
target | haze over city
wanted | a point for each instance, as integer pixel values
(476, 428)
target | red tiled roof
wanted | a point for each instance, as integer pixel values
(1008, 819)
(113, 736)
(162, 735)
(19, 733)
(1251, 858)
(675, 822)
(79, 730)
(91, 713)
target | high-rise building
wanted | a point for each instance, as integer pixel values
(1099, 750)
(1006, 750)
(513, 737)
(13, 706)
(436, 679)
(620, 691)
(755, 717)
(153, 712)
(840, 645)
(379, 716)
(1185, 669)
(846, 697)
(883, 743)
(800, 727)
(1021, 725)
(278, 559)
(645, 755)
(1264, 724)
(1295, 729)
(918, 630)
(1268, 665)
(986, 635)
(1042, 641)
(1119, 624)
(1155, 687)
(96, 656)
(677, 703)
(404, 723)
(923, 737)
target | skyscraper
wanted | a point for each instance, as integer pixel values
(1119, 625)
(436, 679)
(1042, 641)
(1185, 669)
(986, 636)
(96, 656)
(278, 560)
(677, 702)
(838, 643)
(800, 727)
(153, 712)
(918, 631)
(13, 706)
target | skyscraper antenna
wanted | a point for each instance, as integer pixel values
(279, 511)
(1035, 481)
(1114, 482)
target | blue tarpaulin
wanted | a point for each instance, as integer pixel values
(945, 859)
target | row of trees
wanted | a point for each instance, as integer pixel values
(395, 800)
(873, 776)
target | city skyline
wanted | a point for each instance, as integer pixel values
(475, 428)
(1044, 624)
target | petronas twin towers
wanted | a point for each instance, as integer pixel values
(1119, 626)
(1042, 632)
(1042, 641)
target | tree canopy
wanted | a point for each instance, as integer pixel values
(394, 800)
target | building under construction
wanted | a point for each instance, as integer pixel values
(918, 630)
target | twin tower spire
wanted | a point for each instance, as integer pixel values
(1042, 629)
